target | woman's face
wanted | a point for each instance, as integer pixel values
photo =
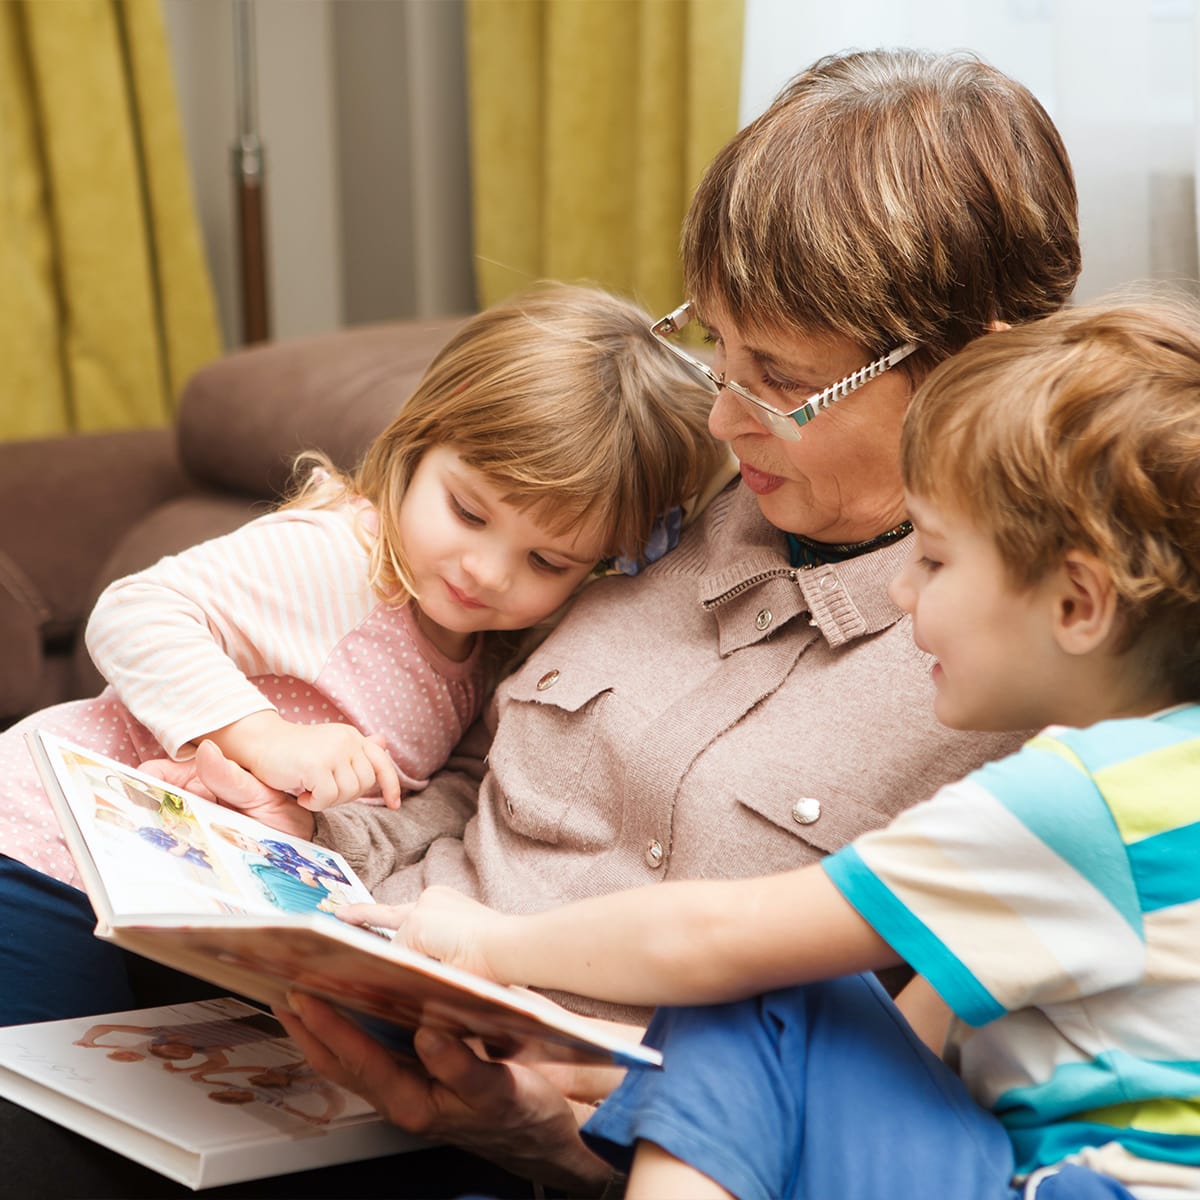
(841, 481)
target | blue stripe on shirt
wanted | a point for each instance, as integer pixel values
(1050, 1144)
(1164, 867)
(1113, 1077)
(910, 937)
(1067, 813)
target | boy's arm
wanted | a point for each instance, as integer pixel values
(927, 1013)
(675, 943)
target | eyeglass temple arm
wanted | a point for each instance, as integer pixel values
(674, 321)
(851, 383)
(841, 389)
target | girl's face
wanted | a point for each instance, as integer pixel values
(479, 563)
(998, 664)
(841, 481)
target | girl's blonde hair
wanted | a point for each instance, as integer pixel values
(566, 404)
(1081, 431)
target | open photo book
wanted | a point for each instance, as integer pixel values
(211, 892)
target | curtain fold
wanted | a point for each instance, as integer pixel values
(108, 305)
(590, 125)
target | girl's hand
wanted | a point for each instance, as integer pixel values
(445, 925)
(321, 765)
(214, 777)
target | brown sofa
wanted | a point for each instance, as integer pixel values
(77, 512)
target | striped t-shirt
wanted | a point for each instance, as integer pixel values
(1053, 900)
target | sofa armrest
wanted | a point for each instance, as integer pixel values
(66, 502)
(65, 505)
(244, 417)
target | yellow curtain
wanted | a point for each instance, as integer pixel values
(106, 305)
(591, 123)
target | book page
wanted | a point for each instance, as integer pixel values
(159, 849)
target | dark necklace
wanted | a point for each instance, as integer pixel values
(806, 552)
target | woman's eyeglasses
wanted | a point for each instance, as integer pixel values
(782, 424)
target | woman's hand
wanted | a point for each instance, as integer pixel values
(506, 1112)
(214, 777)
(321, 765)
(445, 925)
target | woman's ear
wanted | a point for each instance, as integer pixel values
(1085, 604)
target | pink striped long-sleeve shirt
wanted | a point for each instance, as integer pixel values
(189, 644)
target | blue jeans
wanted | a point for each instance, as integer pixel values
(816, 1092)
(52, 966)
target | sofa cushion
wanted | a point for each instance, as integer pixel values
(244, 418)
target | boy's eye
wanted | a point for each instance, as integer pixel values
(464, 514)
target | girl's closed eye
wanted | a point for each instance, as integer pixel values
(464, 514)
(928, 564)
(545, 565)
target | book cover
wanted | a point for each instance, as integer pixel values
(218, 895)
(207, 1093)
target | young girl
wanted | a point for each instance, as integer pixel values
(333, 647)
(1052, 474)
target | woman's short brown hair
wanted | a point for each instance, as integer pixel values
(888, 196)
(1080, 431)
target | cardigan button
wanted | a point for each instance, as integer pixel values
(764, 619)
(654, 854)
(547, 681)
(806, 810)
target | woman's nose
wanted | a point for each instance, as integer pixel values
(728, 417)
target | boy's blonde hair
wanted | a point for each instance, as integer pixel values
(565, 402)
(1081, 431)
(888, 196)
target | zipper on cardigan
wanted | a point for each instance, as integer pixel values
(754, 581)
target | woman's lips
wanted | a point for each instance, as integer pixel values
(759, 482)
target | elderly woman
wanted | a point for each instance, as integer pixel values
(753, 699)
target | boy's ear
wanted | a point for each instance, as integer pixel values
(1085, 604)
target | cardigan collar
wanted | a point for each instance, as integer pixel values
(753, 590)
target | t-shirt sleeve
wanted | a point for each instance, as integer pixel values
(1009, 888)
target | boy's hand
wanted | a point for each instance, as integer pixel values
(321, 765)
(445, 925)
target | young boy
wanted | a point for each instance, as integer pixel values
(1051, 899)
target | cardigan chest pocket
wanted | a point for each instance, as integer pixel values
(823, 823)
(556, 754)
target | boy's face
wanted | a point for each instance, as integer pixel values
(994, 644)
(479, 563)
